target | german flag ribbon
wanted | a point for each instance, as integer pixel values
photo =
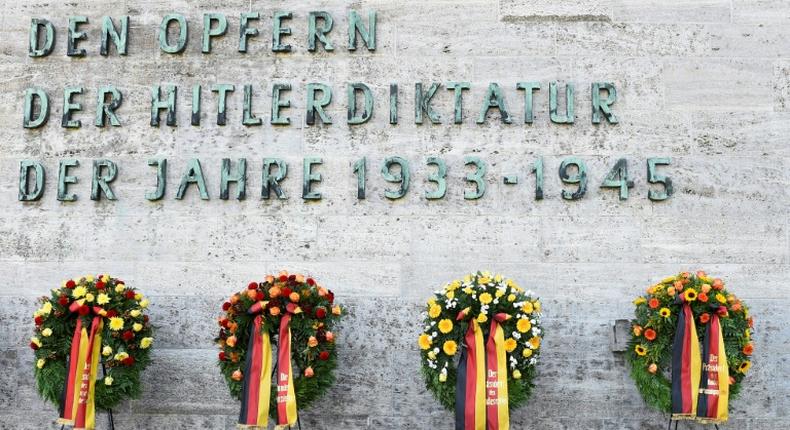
(286, 398)
(686, 365)
(256, 388)
(496, 376)
(715, 390)
(481, 388)
(78, 400)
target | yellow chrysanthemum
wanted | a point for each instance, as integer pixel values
(535, 342)
(486, 298)
(467, 279)
(516, 374)
(536, 305)
(498, 278)
(523, 325)
(669, 280)
(121, 356)
(527, 308)
(499, 293)
(640, 350)
(454, 285)
(119, 288)
(511, 298)
(639, 300)
(690, 295)
(482, 318)
(47, 332)
(106, 351)
(450, 294)
(116, 323)
(483, 280)
(78, 292)
(105, 279)
(526, 353)
(135, 313)
(424, 341)
(40, 363)
(103, 299)
(432, 355)
(721, 298)
(445, 326)
(137, 327)
(665, 312)
(434, 311)
(510, 344)
(450, 347)
(432, 301)
(146, 342)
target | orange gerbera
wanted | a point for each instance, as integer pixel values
(748, 349)
(650, 334)
(702, 297)
(653, 303)
(704, 318)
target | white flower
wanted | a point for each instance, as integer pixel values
(516, 335)
(108, 380)
(434, 334)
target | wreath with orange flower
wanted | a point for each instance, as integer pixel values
(653, 331)
(314, 316)
(480, 296)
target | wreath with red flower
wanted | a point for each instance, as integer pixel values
(653, 331)
(314, 316)
(126, 337)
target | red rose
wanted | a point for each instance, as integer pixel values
(307, 309)
(259, 296)
(283, 278)
(226, 306)
(127, 335)
(63, 300)
(38, 320)
(33, 346)
(292, 278)
(70, 284)
(222, 356)
(324, 355)
(99, 285)
(129, 294)
(310, 281)
(252, 286)
(145, 318)
(287, 292)
(320, 313)
(128, 361)
(112, 313)
(84, 310)
(330, 296)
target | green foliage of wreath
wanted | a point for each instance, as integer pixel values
(312, 337)
(482, 296)
(653, 331)
(126, 337)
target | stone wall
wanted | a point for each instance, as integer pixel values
(704, 82)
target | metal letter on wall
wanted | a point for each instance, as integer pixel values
(34, 48)
(308, 177)
(28, 120)
(364, 116)
(69, 107)
(319, 32)
(75, 35)
(64, 179)
(25, 194)
(245, 31)
(277, 104)
(403, 177)
(158, 105)
(270, 182)
(529, 89)
(603, 106)
(108, 32)
(556, 117)
(105, 109)
(101, 183)
(222, 91)
(240, 178)
(193, 175)
(161, 179)
(209, 31)
(183, 32)
(422, 103)
(278, 31)
(316, 106)
(458, 88)
(355, 26)
(494, 99)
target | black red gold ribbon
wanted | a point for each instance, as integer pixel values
(78, 401)
(715, 391)
(686, 365)
(481, 401)
(256, 388)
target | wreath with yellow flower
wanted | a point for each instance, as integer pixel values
(480, 296)
(126, 337)
(314, 316)
(653, 332)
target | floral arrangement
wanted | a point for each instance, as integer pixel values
(126, 337)
(653, 331)
(313, 317)
(480, 297)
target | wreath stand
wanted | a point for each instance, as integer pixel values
(669, 426)
(109, 411)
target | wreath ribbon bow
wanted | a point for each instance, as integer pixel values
(256, 388)
(78, 404)
(481, 401)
